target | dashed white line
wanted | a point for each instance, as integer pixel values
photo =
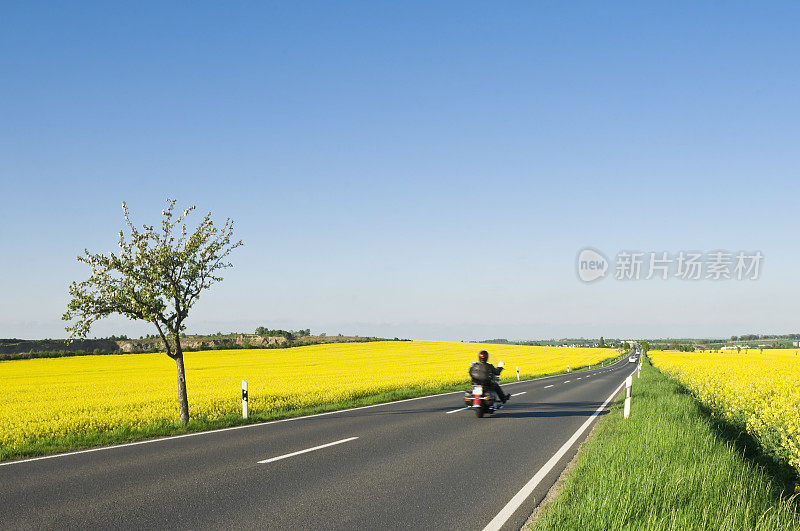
(246, 426)
(517, 394)
(232, 428)
(567, 381)
(459, 409)
(320, 447)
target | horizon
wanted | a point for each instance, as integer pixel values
(482, 340)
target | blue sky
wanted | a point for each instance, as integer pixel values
(423, 170)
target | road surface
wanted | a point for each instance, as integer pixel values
(424, 463)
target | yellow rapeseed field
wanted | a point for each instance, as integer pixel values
(760, 389)
(44, 398)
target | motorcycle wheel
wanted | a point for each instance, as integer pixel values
(479, 412)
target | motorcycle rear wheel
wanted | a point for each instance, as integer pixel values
(479, 412)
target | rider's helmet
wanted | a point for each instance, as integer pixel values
(483, 356)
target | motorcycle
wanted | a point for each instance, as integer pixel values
(482, 399)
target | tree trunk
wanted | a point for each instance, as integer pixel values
(183, 401)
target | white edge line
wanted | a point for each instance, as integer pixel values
(231, 428)
(220, 430)
(517, 394)
(546, 386)
(459, 409)
(320, 447)
(515, 502)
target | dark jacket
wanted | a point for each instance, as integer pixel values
(483, 367)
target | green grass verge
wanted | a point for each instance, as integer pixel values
(670, 466)
(126, 434)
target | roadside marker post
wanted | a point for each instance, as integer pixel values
(517, 373)
(244, 399)
(628, 384)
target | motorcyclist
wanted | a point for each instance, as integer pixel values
(491, 383)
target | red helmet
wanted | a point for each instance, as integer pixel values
(483, 356)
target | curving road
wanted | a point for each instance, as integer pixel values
(424, 463)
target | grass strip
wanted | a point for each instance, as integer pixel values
(667, 467)
(36, 447)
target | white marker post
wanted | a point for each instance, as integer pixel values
(517, 373)
(567, 368)
(244, 399)
(628, 384)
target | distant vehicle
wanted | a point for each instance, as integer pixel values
(632, 359)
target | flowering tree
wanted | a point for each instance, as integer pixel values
(157, 276)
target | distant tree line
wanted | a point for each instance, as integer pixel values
(602, 342)
(296, 338)
(755, 337)
(58, 354)
(288, 334)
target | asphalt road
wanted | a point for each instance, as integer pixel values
(422, 463)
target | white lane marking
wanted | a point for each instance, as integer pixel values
(320, 447)
(517, 394)
(459, 409)
(546, 386)
(579, 377)
(515, 502)
(567, 381)
(254, 425)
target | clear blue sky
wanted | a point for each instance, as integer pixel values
(425, 170)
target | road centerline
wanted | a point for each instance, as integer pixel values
(320, 447)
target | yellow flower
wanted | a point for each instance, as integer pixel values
(759, 389)
(59, 396)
